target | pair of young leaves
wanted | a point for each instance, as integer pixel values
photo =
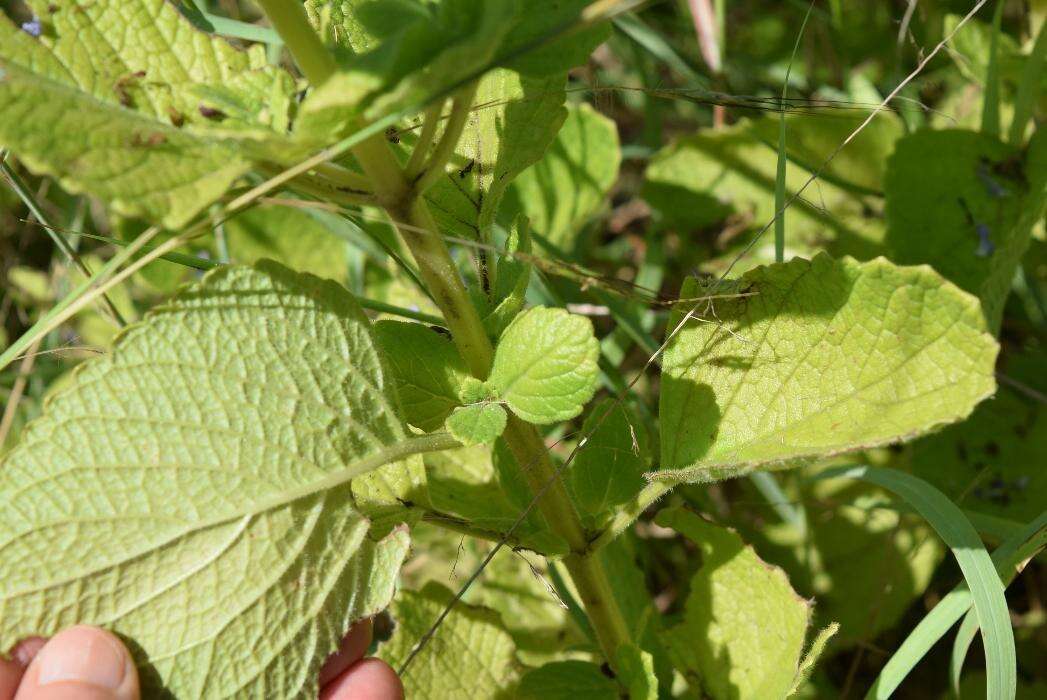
(544, 371)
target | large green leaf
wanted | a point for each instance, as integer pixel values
(206, 489)
(569, 184)
(822, 357)
(966, 203)
(471, 655)
(126, 100)
(743, 629)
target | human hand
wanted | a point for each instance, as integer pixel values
(86, 663)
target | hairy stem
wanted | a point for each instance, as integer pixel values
(409, 212)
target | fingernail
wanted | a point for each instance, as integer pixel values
(82, 655)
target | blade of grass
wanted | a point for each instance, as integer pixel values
(987, 591)
(1007, 558)
(1029, 88)
(203, 19)
(22, 190)
(176, 258)
(783, 159)
(991, 103)
(961, 644)
(791, 513)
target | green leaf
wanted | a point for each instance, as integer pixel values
(545, 365)
(515, 119)
(477, 424)
(978, 569)
(205, 490)
(361, 25)
(425, 368)
(528, 45)
(471, 655)
(413, 62)
(608, 469)
(727, 177)
(871, 552)
(513, 276)
(974, 202)
(563, 190)
(723, 644)
(567, 680)
(514, 584)
(108, 100)
(629, 560)
(822, 358)
(993, 461)
(289, 236)
(463, 483)
(1009, 558)
(636, 673)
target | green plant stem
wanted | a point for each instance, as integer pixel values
(444, 151)
(628, 513)
(289, 19)
(412, 217)
(425, 140)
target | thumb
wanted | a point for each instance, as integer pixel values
(81, 663)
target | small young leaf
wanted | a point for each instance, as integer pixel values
(426, 370)
(608, 469)
(739, 608)
(772, 377)
(571, 182)
(512, 279)
(205, 489)
(477, 423)
(472, 656)
(545, 365)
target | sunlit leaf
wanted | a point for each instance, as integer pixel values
(774, 376)
(743, 629)
(205, 489)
